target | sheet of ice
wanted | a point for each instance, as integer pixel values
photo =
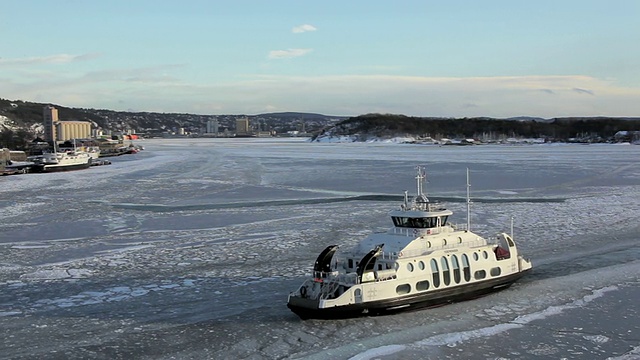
(535, 303)
(378, 352)
(199, 241)
(634, 354)
(452, 339)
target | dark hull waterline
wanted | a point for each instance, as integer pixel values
(307, 308)
(48, 168)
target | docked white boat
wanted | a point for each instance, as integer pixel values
(422, 261)
(93, 151)
(61, 161)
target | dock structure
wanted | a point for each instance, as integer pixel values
(13, 162)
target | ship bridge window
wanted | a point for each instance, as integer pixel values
(422, 223)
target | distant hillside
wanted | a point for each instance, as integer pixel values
(299, 115)
(21, 121)
(528, 118)
(26, 117)
(559, 129)
(25, 114)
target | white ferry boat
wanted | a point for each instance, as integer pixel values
(61, 161)
(422, 261)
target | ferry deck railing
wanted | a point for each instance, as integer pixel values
(415, 232)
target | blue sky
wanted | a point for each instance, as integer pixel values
(424, 58)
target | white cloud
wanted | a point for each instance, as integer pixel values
(303, 28)
(583, 91)
(289, 53)
(157, 89)
(544, 96)
(50, 59)
(150, 74)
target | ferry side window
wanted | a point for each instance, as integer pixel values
(434, 271)
(446, 276)
(466, 269)
(444, 220)
(456, 269)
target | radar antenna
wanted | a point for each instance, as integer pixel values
(421, 199)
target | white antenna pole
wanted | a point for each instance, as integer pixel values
(406, 199)
(468, 203)
(419, 178)
(511, 227)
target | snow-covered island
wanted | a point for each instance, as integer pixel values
(473, 131)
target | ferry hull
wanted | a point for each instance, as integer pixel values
(55, 168)
(309, 308)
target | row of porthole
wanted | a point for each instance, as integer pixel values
(424, 285)
(444, 242)
(421, 264)
(455, 269)
(485, 255)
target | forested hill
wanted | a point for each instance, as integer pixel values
(388, 125)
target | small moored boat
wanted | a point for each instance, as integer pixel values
(422, 261)
(61, 161)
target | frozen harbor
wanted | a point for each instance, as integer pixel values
(188, 250)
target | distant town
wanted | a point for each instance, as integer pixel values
(29, 131)
(21, 122)
(64, 139)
